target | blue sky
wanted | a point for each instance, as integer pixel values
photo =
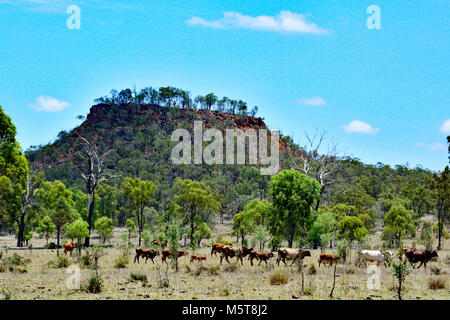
(383, 95)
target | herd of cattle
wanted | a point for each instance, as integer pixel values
(239, 252)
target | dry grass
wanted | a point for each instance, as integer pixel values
(208, 280)
(278, 277)
(435, 283)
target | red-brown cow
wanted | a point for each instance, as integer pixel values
(68, 247)
(145, 253)
(232, 251)
(217, 248)
(260, 255)
(330, 258)
(197, 258)
(166, 253)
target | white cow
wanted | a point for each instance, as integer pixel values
(372, 256)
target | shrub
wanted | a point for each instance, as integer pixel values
(138, 277)
(5, 295)
(312, 269)
(227, 241)
(122, 261)
(87, 260)
(61, 261)
(17, 260)
(94, 284)
(278, 277)
(435, 283)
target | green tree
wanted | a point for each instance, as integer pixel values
(439, 184)
(202, 232)
(18, 185)
(351, 229)
(293, 195)
(131, 227)
(46, 228)
(421, 198)
(398, 223)
(107, 205)
(57, 202)
(253, 215)
(323, 229)
(104, 227)
(78, 229)
(195, 197)
(138, 193)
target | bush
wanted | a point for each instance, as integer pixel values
(95, 284)
(312, 269)
(17, 260)
(138, 277)
(61, 261)
(87, 260)
(122, 261)
(435, 283)
(278, 277)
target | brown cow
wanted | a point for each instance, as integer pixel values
(166, 253)
(217, 248)
(422, 256)
(68, 247)
(197, 258)
(331, 258)
(233, 251)
(291, 254)
(260, 255)
(145, 253)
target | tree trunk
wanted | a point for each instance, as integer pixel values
(291, 238)
(89, 217)
(440, 225)
(192, 225)
(21, 230)
(316, 207)
(58, 232)
(334, 280)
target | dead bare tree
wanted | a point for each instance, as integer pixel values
(93, 172)
(318, 166)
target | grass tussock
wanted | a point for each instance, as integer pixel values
(312, 270)
(94, 284)
(232, 267)
(436, 283)
(61, 261)
(278, 277)
(15, 263)
(122, 261)
(138, 277)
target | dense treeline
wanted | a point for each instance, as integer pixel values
(318, 200)
(177, 98)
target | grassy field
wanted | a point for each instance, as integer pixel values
(209, 280)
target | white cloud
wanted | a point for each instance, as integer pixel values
(314, 101)
(437, 146)
(48, 104)
(357, 126)
(285, 21)
(445, 128)
(419, 145)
